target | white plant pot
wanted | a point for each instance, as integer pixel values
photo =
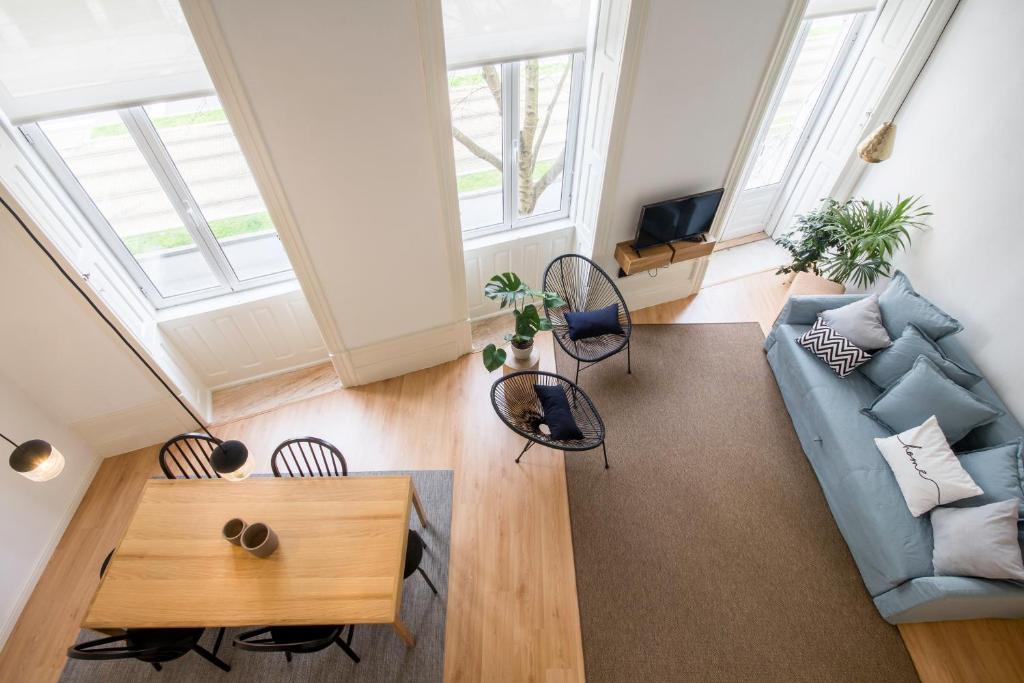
(522, 354)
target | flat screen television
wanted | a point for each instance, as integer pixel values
(677, 219)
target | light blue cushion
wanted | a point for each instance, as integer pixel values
(901, 305)
(925, 391)
(997, 470)
(888, 365)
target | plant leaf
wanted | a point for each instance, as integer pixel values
(493, 357)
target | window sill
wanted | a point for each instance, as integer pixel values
(226, 301)
(508, 236)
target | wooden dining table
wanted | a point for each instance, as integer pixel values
(340, 560)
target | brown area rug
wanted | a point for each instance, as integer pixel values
(707, 551)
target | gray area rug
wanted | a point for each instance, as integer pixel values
(384, 656)
(707, 551)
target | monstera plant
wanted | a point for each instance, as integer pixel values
(852, 241)
(509, 290)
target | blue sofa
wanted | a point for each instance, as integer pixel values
(892, 549)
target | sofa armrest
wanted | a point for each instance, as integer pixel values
(951, 598)
(804, 310)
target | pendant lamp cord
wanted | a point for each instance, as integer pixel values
(930, 52)
(8, 440)
(104, 317)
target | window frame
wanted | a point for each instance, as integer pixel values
(151, 147)
(510, 74)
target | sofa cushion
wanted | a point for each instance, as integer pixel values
(901, 305)
(924, 392)
(926, 469)
(997, 470)
(860, 322)
(836, 351)
(979, 541)
(888, 365)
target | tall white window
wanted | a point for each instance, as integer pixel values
(169, 191)
(515, 79)
(514, 128)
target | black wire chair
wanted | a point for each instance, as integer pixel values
(584, 286)
(516, 403)
(308, 456)
(152, 645)
(187, 456)
(296, 640)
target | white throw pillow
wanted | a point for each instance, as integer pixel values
(926, 468)
(980, 541)
(860, 322)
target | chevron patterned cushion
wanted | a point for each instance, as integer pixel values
(838, 352)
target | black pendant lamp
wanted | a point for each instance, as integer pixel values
(36, 459)
(231, 460)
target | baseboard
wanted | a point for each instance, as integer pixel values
(51, 546)
(410, 353)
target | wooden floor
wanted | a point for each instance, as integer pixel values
(512, 611)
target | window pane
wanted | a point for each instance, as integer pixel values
(104, 158)
(475, 96)
(544, 86)
(199, 139)
(813, 65)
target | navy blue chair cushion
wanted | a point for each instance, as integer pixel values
(586, 324)
(557, 414)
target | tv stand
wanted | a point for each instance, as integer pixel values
(632, 261)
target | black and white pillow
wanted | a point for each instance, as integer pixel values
(838, 352)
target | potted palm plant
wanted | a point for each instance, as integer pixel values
(511, 292)
(853, 241)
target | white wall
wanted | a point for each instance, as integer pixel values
(33, 515)
(58, 351)
(959, 145)
(699, 68)
(345, 98)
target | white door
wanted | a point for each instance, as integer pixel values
(812, 72)
(897, 45)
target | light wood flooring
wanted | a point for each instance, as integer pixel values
(512, 610)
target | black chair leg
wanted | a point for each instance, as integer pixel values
(288, 656)
(427, 579)
(344, 646)
(211, 658)
(629, 361)
(605, 449)
(157, 666)
(525, 448)
(220, 639)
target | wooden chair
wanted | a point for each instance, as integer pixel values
(308, 456)
(187, 456)
(296, 640)
(152, 645)
(516, 403)
(584, 286)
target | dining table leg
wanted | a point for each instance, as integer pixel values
(419, 507)
(404, 632)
